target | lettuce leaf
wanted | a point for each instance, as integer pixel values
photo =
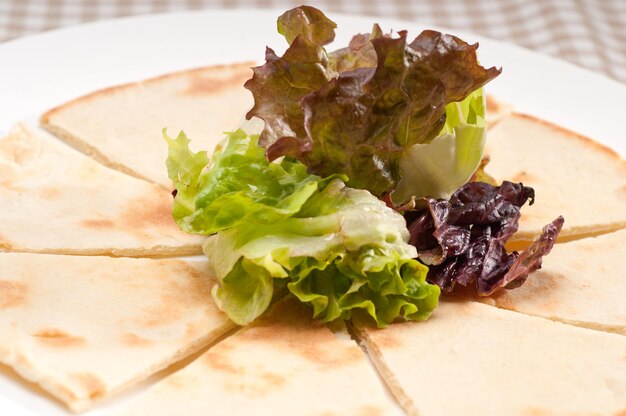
(276, 228)
(463, 239)
(309, 22)
(439, 168)
(346, 113)
(360, 52)
(236, 187)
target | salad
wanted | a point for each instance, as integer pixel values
(355, 183)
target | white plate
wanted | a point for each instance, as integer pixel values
(42, 71)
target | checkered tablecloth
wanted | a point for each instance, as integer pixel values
(590, 33)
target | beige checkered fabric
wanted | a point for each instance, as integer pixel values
(590, 33)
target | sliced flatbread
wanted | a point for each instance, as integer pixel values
(496, 110)
(582, 282)
(121, 126)
(572, 176)
(282, 364)
(87, 327)
(54, 199)
(472, 359)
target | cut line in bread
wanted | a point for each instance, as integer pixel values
(284, 363)
(572, 175)
(474, 359)
(54, 199)
(121, 126)
(580, 283)
(87, 327)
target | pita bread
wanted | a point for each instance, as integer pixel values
(496, 110)
(282, 364)
(571, 174)
(87, 327)
(472, 359)
(581, 282)
(54, 199)
(121, 126)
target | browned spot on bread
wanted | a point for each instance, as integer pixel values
(93, 386)
(176, 381)
(493, 105)
(134, 340)
(535, 411)
(195, 288)
(12, 294)
(273, 379)
(369, 411)
(177, 296)
(621, 413)
(548, 284)
(220, 361)
(49, 192)
(93, 223)
(22, 361)
(290, 327)
(523, 177)
(154, 210)
(256, 383)
(197, 328)
(209, 84)
(386, 338)
(5, 244)
(58, 338)
(89, 170)
(45, 118)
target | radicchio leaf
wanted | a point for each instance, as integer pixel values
(386, 96)
(530, 259)
(463, 239)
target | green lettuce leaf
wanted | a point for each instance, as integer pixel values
(236, 187)
(352, 255)
(183, 168)
(439, 168)
(277, 228)
(348, 114)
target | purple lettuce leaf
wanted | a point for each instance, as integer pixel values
(530, 259)
(360, 52)
(463, 239)
(356, 111)
(279, 87)
(309, 22)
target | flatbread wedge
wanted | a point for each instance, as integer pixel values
(87, 327)
(121, 126)
(282, 364)
(472, 359)
(572, 176)
(581, 282)
(54, 199)
(496, 110)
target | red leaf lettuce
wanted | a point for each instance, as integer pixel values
(356, 111)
